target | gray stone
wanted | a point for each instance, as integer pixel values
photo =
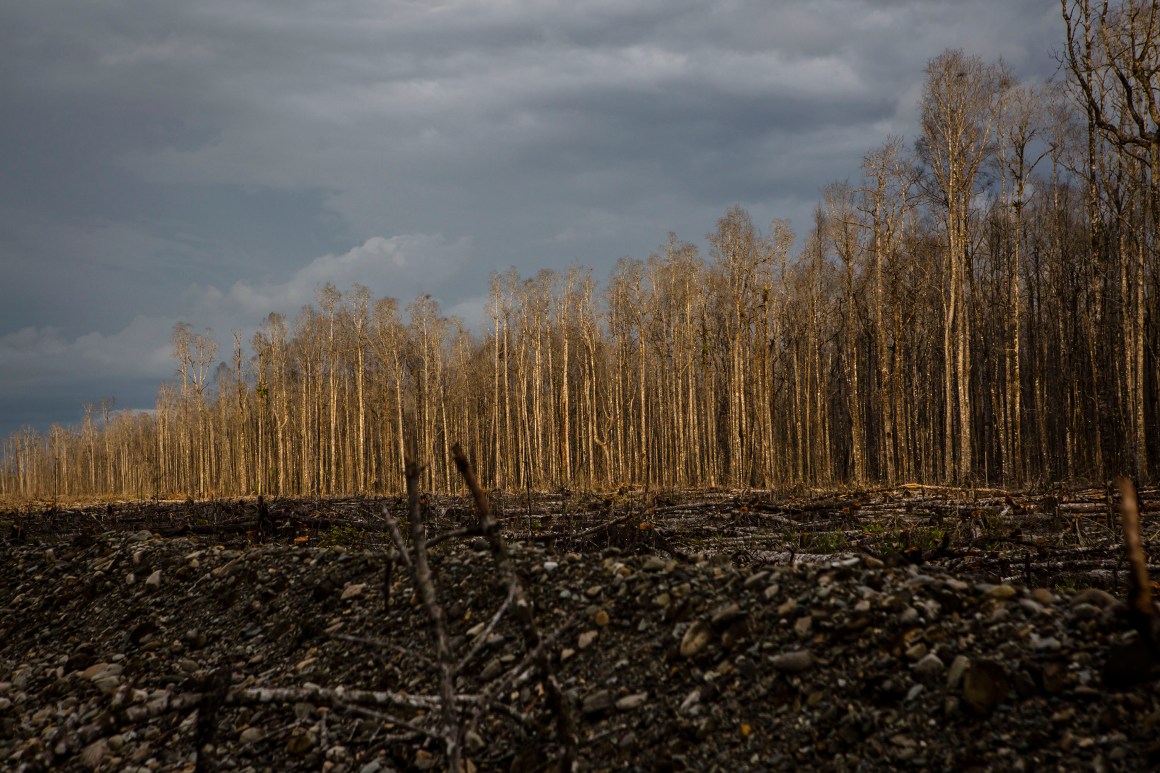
(725, 613)
(929, 668)
(598, 702)
(655, 564)
(632, 702)
(794, 662)
(958, 667)
(251, 735)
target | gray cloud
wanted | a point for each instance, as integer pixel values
(214, 161)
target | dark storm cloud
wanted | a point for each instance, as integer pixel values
(217, 160)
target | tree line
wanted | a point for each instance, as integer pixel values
(979, 306)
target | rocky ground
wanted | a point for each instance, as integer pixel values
(125, 648)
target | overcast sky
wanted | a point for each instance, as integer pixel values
(213, 161)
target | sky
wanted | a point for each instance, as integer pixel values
(213, 161)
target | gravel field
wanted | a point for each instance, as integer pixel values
(121, 649)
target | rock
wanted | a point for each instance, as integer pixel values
(1043, 596)
(725, 614)
(141, 536)
(1002, 591)
(598, 702)
(695, 639)
(1045, 643)
(551, 566)
(251, 735)
(929, 668)
(301, 741)
(958, 667)
(1094, 596)
(89, 673)
(755, 579)
(153, 581)
(632, 702)
(585, 639)
(94, 754)
(107, 683)
(594, 591)
(793, 662)
(916, 651)
(352, 591)
(601, 618)
(985, 686)
(803, 624)
(374, 766)
(655, 564)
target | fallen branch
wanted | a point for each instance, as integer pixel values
(452, 728)
(1137, 661)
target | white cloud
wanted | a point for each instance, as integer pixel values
(403, 267)
(34, 357)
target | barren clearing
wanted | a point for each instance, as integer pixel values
(917, 627)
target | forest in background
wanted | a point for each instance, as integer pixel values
(980, 307)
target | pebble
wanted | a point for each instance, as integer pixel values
(1043, 596)
(301, 741)
(153, 581)
(655, 564)
(916, 651)
(585, 639)
(958, 667)
(755, 579)
(601, 618)
(985, 686)
(632, 702)
(352, 591)
(695, 639)
(598, 702)
(94, 754)
(1094, 596)
(1002, 591)
(251, 735)
(725, 613)
(929, 667)
(88, 673)
(794, 662)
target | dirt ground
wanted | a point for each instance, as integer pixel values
(913, 627)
